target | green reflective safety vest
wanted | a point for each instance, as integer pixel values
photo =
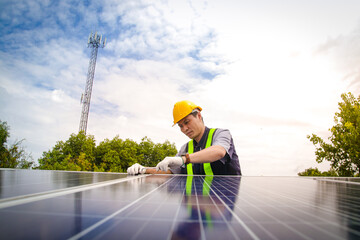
(206, 185)
(205, 191)
(207, 166)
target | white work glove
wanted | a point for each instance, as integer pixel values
(169, 162)
(136, 169)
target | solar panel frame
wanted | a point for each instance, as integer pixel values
(170, 206)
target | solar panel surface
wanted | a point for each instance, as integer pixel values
(76, 205)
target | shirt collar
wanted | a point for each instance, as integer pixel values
(203, 138)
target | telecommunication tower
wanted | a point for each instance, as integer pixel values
(94, 42)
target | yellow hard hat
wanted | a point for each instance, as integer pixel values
(182, 109)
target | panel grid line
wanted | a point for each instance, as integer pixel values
(98, 206)
(318, 207)
(249, 231)
(14, 201)
(199, 213)
(222, 215)
(149, 218)
(302, 202)
(126, 217)
(94, 226)
(278, 221)
(256, 223)
(266, 200)
(290, 228)
(176, 215)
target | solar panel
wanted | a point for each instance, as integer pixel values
(37, 204)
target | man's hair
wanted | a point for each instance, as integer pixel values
(195, 113)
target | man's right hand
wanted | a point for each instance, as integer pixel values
(136, 169)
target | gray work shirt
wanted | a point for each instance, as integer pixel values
(229, 163)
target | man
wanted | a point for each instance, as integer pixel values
(209, 152)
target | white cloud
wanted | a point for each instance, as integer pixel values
(344, 50)
(256, 69)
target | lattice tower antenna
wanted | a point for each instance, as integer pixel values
(94, 42)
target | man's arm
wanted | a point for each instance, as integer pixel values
(210, 154)
(138, 169)
(220, 147)
(152, 170)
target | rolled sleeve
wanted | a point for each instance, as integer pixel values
(222, 137)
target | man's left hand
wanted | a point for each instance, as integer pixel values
(169, 162)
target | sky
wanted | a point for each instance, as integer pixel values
(270, 71)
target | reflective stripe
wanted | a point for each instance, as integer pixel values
(206, 191)
(208, 219)
(188, 188)
(207, 166)
(189, 180)
(207, 185)
(209, 139)
(189, 168)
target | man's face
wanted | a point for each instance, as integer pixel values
(191, 126)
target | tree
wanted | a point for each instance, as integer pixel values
(13, 156)
(163, 150)
(117, 155)
(4, 134)
(317, 172)
(344, 150)
(311, 172)
(152, 153)
(77, 154)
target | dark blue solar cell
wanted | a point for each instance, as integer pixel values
(76, 205)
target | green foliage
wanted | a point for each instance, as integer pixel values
(76, 154)
(13, 156)
(344, 151)
(115, 155)
(151, 153)
(79, 153)
(4, 134)
(317, 172)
